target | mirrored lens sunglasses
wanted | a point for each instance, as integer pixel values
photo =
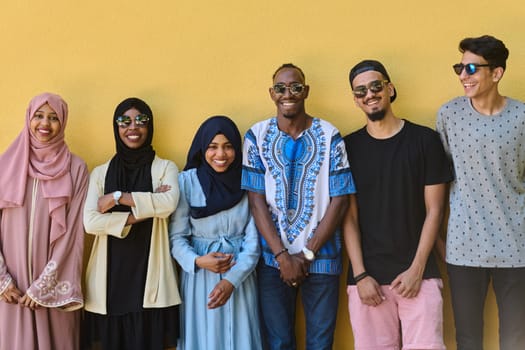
(375, 86)
(470, 68)
(295, 88)
(141, 121)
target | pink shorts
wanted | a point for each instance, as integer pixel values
(419, 320)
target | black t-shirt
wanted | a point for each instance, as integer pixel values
(390, 177)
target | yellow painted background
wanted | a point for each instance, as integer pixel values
(193, 59)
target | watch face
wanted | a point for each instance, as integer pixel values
(308, 254)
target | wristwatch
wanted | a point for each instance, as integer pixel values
(116, 196)
(308, 254)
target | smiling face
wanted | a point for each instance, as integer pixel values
(133, 135)
(374, 104)
(44, 124)
(220, 153)
(289, 105)
(483, 82)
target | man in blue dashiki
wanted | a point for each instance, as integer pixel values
(296, 172)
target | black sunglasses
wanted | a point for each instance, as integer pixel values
(470, 68)
(124, 121)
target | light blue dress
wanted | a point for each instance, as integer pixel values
(234, 325)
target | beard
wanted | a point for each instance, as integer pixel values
(376, 116)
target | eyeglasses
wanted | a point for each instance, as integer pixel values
(470, 68)
(295, 88)
(141, 121)
(374, 86)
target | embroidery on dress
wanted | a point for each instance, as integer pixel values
(5, 279)
(48, 284)
(253, 158)
(336, 156)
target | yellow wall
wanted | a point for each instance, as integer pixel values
(193, 59)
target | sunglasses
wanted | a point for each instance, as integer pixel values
(374, 86)
(295, 88)
(470, 68)
(141, 121)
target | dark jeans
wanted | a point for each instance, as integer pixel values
(469, 286)
(320, 296)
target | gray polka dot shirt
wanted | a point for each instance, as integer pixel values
(486, 226)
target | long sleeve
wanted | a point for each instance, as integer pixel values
(158, 205)
(180, 232)
(96, 223)
(249, 255)
(229, 231)
(5, 277)
(59, 284)
(161, 280)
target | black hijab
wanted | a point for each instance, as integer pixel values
(130, 169)
(222, 190)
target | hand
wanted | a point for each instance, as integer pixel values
(293, 268)
(133, 220)
(408, 283)
(306, 262)
(163, 188)
(370, 291)
(28, 302)
(105, 203)
(220, 294)
(11, 294)
(215, 262)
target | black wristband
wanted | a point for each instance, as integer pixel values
(360, 276)
(284, 250)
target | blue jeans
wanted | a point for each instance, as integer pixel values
(320, 296)
(469, 285)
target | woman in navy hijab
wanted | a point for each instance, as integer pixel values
(214, 239)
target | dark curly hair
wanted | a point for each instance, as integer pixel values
(491, 49)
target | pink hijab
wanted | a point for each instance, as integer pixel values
(49, 162)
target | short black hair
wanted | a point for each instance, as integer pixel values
(289, 65)
(491, 49)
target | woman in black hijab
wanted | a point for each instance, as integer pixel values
(214, 239)
(131, 286)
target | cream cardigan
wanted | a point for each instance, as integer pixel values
(161, 289)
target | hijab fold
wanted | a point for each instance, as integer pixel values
(222, 190)
(49, 162)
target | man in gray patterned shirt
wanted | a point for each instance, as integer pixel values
(484, 134)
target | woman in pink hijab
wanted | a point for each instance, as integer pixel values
(42, 191)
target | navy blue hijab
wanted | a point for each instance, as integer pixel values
(222, 190)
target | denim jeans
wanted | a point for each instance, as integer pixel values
(320, 296)
(469, 287)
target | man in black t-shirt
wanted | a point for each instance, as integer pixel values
(400, 171)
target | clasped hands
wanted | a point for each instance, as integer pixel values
(13, 295)
(217, 262)
(293, 268)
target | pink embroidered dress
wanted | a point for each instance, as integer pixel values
(42, 191)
